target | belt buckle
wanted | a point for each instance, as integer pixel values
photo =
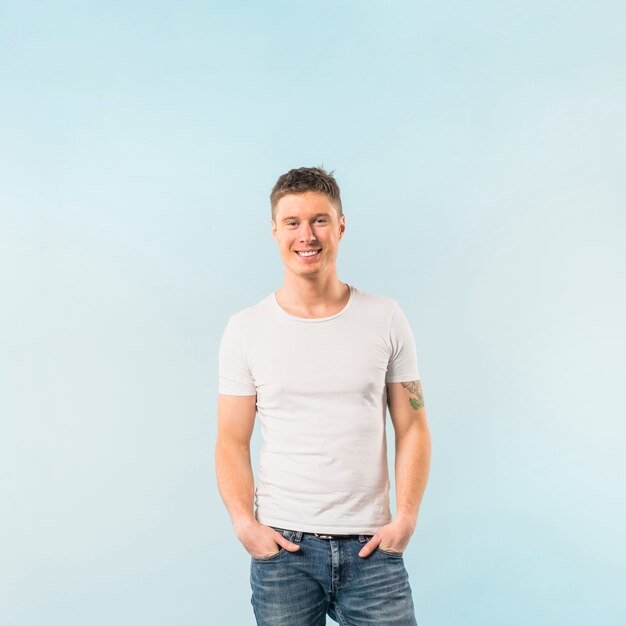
(324, 536)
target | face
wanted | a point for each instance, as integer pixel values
(308, 222)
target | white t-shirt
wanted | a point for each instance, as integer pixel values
(321, 402)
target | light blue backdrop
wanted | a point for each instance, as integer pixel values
(480, 148)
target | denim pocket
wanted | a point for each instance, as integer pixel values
(390, 552)
(270, 557)
(366, 538)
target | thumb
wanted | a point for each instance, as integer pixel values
(288, 545)
(369, 547)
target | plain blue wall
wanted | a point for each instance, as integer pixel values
(480, 148)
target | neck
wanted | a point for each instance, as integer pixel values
(309, 293)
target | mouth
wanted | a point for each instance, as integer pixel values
(306, 254)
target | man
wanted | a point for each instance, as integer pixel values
(319, 360)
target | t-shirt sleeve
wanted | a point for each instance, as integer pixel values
(234, 375)
(402, 365)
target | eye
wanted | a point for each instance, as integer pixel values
(321, 219)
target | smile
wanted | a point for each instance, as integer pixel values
(308, 253)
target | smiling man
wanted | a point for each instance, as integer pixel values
(319, 361)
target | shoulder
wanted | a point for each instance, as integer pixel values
(253, 315)
(380, 305)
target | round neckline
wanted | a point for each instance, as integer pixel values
(274, 300)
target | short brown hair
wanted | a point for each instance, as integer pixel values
(305, 179)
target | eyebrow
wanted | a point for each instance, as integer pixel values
(285, 219)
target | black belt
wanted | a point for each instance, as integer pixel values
(331, 536)
(322, 536)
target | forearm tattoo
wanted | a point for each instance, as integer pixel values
(415, 387)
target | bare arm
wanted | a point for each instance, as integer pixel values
(235, 480)
(412, 464)
(235, 423)
(412, 438)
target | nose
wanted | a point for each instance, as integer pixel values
(306, 232)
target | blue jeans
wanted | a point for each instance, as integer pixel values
(328, 576)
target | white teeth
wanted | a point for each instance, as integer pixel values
(308, 253)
